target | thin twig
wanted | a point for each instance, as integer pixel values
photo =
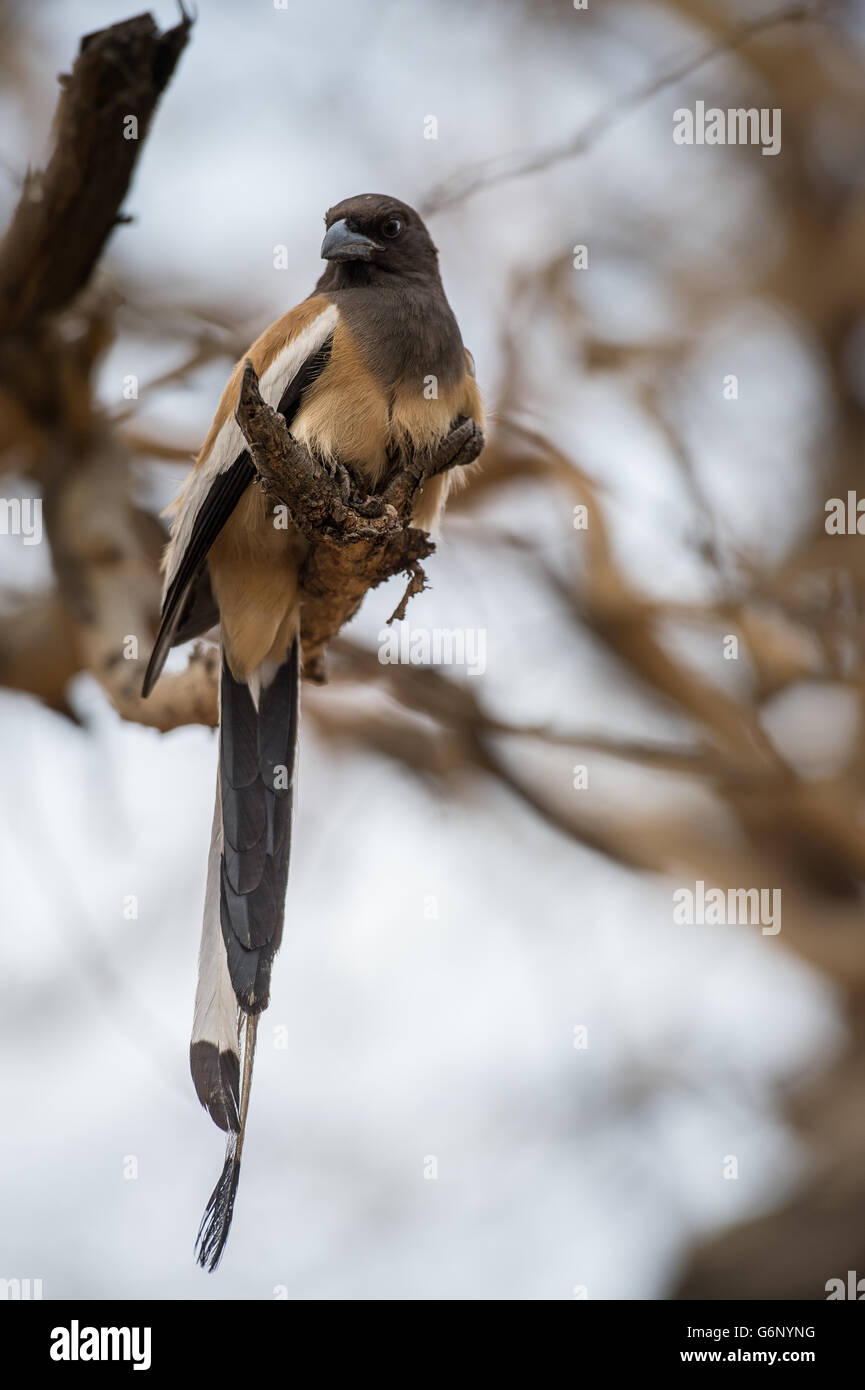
(503, 168)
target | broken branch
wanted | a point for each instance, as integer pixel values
(357, 539)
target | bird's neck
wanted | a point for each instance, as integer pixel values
(402, 325)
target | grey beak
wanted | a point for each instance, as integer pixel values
(342, 244)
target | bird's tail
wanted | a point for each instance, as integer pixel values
(243, 911)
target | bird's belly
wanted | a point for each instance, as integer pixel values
(355, 417)
(344, 416)
(363, 426)
(254, 566)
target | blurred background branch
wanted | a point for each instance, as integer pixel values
(54, 327)
(505, 168)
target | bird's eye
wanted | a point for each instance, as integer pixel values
(391, 228)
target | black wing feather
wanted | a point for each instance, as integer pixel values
(224, 495)
(182, 599)
(257, 757)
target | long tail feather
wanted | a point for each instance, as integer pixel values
(244, 909)
(216, 1221)
(214, 1052)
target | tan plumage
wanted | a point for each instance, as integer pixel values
(348, 415)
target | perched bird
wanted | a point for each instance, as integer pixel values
(372, 362)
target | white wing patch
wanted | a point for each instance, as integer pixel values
(230, 443)
(215, 1018)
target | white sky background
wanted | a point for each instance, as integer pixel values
(410, 1037)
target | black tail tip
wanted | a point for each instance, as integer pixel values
(150, 678)
(216, 1221)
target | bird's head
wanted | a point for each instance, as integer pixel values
(379, 232)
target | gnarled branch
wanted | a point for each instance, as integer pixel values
(67, 212)
(357, 539)
(54, 325)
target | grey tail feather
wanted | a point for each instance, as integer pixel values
(216, 1221)
(257, 749)
(214, 1052)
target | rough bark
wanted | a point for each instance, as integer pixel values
(357, 539)
(54, 326)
